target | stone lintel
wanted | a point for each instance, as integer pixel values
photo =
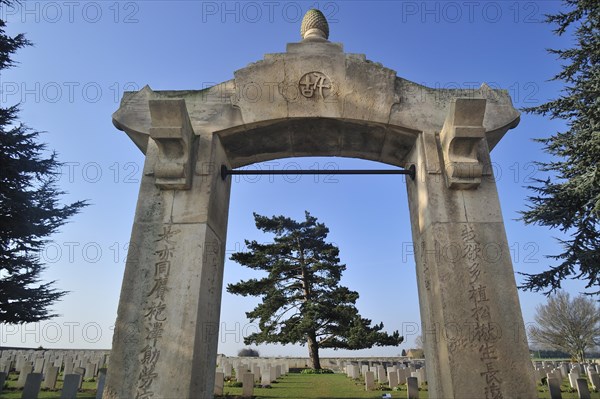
(172, 131)
(460, 139)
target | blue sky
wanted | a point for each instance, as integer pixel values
(87, 53)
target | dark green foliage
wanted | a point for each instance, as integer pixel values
(302, 301)
(29, 209)
(569, 199)
(248, 352)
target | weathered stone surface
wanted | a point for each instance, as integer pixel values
(316, 100)
(472, 323)
(314, 20)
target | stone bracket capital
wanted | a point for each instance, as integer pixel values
(172, 131)
(460, 139)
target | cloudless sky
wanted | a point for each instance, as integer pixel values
(87, 53)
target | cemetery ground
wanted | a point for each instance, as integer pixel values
(10, 391)
(339, 386)
(291, 386)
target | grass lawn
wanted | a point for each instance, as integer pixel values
(338, 386)
(309, 386)
(295, 386)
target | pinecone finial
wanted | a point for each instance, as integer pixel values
(314, 25)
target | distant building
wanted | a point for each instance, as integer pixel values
(415, 354)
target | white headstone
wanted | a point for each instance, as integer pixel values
(256, 372)
(219, 383)
(39, 365)
(369, 381)
(50, 377)
(573, 379)
(381, 377)
(25, 371)
(247, 385)
(393, 378)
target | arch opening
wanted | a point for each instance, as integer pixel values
(317, 136)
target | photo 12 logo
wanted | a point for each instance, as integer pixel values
(53, 12)
(470, 11)
(63, 92)
(265, 11)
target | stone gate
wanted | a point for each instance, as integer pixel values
(316, 100)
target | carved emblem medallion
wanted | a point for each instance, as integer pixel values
(315, 83)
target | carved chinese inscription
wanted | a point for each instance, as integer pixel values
(315, 83)
(425, 263)
(155, 316)
(485, 334)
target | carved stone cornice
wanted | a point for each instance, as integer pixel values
(460, 139)
(172, 131)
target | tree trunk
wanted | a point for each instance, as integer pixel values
(313, 352)
(313, 345)
(581, 356)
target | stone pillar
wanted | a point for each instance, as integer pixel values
(473, 330)
(166, 335)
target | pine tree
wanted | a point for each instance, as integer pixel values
(302, 301)
(29, 209)
(569, 199)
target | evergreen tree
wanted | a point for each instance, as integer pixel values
(302, 301)
(29, 209)
(569, 199)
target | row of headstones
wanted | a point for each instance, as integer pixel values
(565, 368)
(412, 384)
(581, 384)
(572, 372)
(52, 355)
(556, 372)
(90, 370)
(228, 365)
(248, 376)
(71, 384)
(412, 364)
(41, 362)
(391, 375)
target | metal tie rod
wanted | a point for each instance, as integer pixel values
(228, 172)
